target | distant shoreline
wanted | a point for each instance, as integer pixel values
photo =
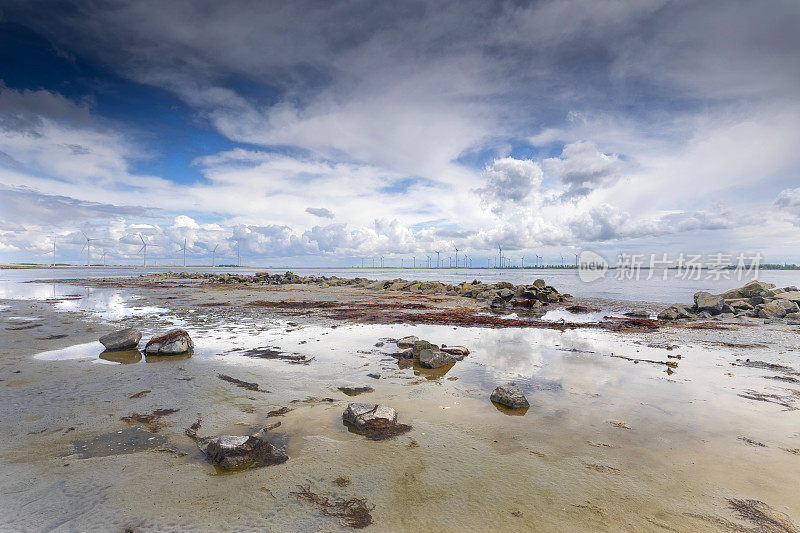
(13, 266)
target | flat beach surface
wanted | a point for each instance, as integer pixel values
(680, 428)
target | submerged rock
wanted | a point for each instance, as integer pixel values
(124, 339)
(510, 396)
(458, 351)
(354, 390)
(233, 452)
(359, 414)
(376, 422)
(435, 358)
(173, 342)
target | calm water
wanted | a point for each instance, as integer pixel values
(656, 289)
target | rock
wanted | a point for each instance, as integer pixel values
(670, 313)
(435, 358)
(124, 339)
(458, 351)
(755, 288)
(407, 342)
(539, 284)
(422, 345)
(705, 301)
(374, 375)
(777, 309)
(792, 318)
(376, 422)
(676, 311)
(504, 285)
(173, 342)
(359, 414)
(355, 390)
(510, 396)
(232, 452)
(793, 296)
(506, 294)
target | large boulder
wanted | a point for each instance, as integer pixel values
(174, 342)
(777, 309)
(232, 452)
(510, 396)
(435, 358)
(124, 339)
(539, 284)
(705, 301)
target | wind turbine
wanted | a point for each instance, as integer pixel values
(437, 258)
(104, 258)
(143, 249)
(414, 259)
(501, 255)
(183, 249)
(214, 257)
(54, 250)
(238, 255)
(576, 260)
(401, 262)
(456, 249)
(381, 261)
(541, 260)
(429, 260)
(562, 260)
(88, 247)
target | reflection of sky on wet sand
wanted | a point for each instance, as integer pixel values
(108, 304)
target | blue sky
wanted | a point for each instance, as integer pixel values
(323, 133)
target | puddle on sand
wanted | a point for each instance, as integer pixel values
(125, 357)
(108, 304)
(129, 440)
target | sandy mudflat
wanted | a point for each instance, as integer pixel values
(614, 439)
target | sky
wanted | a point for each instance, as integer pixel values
(330, 133)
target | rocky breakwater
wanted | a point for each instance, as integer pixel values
(496, 295)
(756, 299)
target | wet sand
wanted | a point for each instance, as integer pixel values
(615, 439)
